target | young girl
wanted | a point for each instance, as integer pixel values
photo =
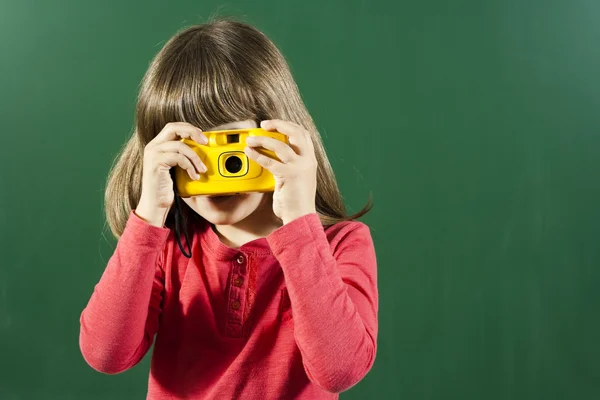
(278, 298)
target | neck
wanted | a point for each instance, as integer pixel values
(257, 225)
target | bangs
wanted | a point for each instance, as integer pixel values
(199, 83)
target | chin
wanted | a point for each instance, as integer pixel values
(226, 210)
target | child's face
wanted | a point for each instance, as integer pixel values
(230, 210)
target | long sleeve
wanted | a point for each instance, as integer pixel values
(334, 299)
(121, 318)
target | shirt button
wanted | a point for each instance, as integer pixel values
(238, 281)
(235, 304)
(240, 259)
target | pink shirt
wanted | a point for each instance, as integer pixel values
(290, 316)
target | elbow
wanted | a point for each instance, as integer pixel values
(101, 359)
(335, 385)
(104, 353)
(341, 376)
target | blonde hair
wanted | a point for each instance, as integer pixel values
(208, 75)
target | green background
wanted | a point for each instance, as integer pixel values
(474, 123)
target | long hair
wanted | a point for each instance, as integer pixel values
(208, 75)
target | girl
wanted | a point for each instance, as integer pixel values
(278, 299)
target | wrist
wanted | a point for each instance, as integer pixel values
(151, 214)
(298, 214)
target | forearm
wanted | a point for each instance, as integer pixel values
(337, 349)
(113, 325)
(337, 346)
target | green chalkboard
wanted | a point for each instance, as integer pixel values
(475, 124)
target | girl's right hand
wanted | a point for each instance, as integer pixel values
(160, 155)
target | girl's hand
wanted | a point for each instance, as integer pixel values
(160, 155)
(296, 174)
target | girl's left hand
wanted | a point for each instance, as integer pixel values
(296, 174)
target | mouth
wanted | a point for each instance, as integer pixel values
(221, 198)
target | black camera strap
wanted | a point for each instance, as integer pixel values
(180, 224)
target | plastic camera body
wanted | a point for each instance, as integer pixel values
(229, 170)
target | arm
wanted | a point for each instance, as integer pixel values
(333, 297)
(120, 321)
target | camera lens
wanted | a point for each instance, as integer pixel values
(233, 164)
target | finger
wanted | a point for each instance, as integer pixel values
(297, 135)
(180, 130)
(182, 148)
(270, 164)
(284, 152)
(169, 160)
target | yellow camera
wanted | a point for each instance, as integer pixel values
(229, 170)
